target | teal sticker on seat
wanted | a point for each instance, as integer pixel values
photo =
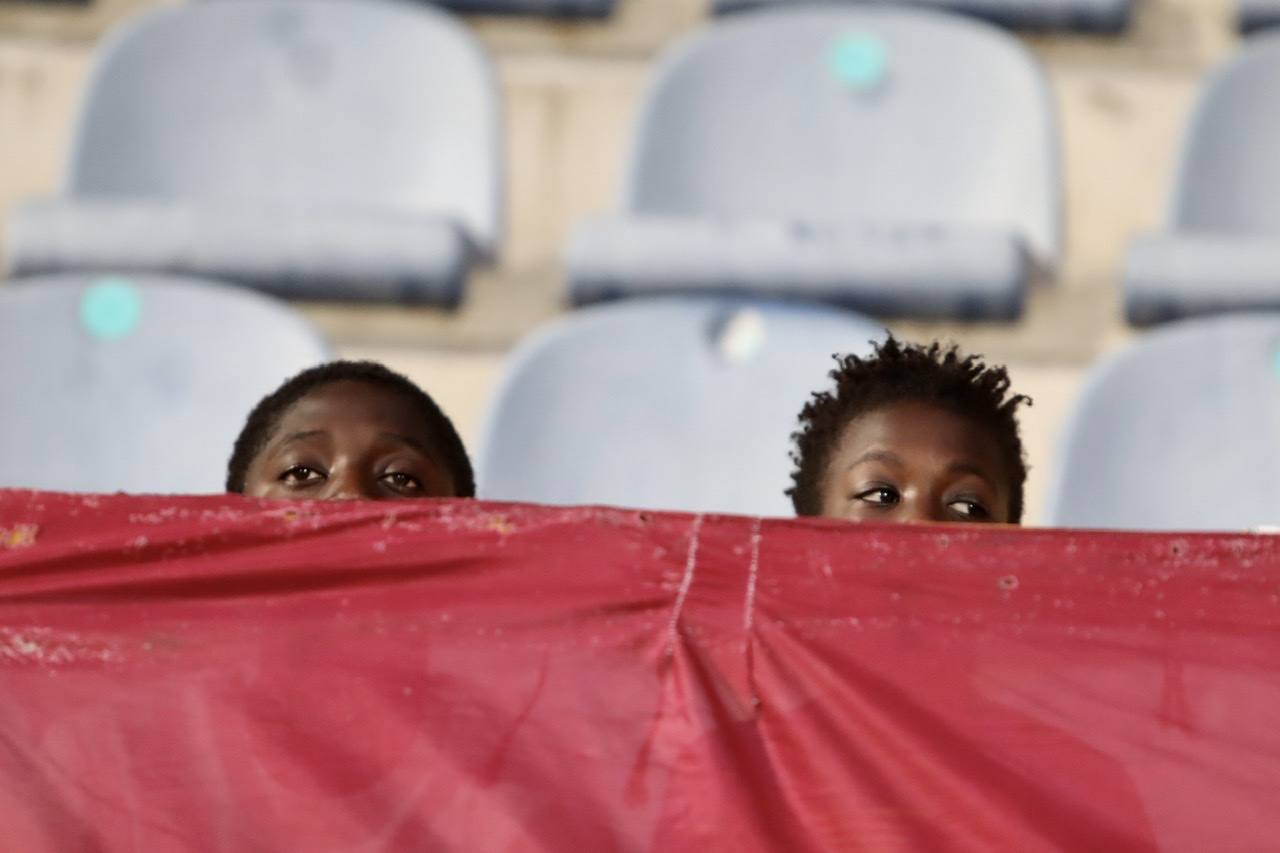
(859, 61)
(111, 308)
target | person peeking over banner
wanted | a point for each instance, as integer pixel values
(349, 430)
(912, 433)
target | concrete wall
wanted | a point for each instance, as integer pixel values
(571, 93)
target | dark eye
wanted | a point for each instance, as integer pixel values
(402, 482)
(300, 475)
(969, 510)
(879, 496)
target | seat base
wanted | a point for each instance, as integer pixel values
(918, 271)
(545, 8)
(1099, 16)
(334, 255)
(1168, 276)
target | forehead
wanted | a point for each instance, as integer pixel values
(348, 405)
(921, 432)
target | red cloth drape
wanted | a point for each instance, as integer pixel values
(214, 673)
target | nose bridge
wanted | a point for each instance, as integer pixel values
(347, 484)
(920, 506)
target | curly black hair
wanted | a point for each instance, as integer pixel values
(265, 419)
(894, 373)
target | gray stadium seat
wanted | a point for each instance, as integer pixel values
(1181, 431)
(1217, 250)
(1104, 16)
(549, 8)
(545, 8)
(679, 403)
(836, 154)
(338, 149)
(1254, 15)
(138, 384)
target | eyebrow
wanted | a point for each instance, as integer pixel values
(969, 468)
(893, 459)
(298, 436)
(876, 456)
(416, 443)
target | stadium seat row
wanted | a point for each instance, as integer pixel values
(689, 404)
(1108, 16)
(1087, 15)
(679, 403)
(855, 167)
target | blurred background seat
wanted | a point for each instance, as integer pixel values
(547, 8)
(218, 139)
(679, 403)
(837, 154)
(1220, 247)
(1254, 15)
(1107, 16)
(138, 384)
(1179, 431)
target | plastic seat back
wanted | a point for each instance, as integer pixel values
(1228, 172)
(361, 105)
(666, 404)
(138, 384)
(543, 8)
(874, 116)
(1181, 431)
(1107, 16)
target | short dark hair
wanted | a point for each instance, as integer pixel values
(894, 373)
(265, 418)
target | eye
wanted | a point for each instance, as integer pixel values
(879, 496)
(402, 482)
(969, 510)
(300, 475)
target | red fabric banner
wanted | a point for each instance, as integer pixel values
(215, 673)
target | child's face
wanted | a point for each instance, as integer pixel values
(347, 441)
(914, 462)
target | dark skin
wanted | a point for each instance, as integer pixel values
(916, 463)
(349, 441)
